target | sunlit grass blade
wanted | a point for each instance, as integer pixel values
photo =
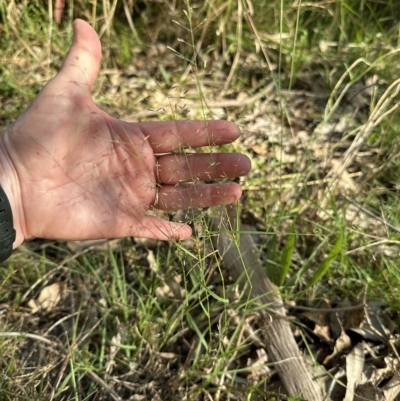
(286, 259)
(326, 264)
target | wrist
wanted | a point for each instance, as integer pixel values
(10, 184)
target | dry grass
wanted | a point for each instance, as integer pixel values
(314, 88)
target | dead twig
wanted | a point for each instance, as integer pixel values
(240, 256)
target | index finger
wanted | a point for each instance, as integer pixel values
(171, 136)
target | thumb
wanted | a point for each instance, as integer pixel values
(82, 63)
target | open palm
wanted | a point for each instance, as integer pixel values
(71, 171)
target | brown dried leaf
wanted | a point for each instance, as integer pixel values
(171, 289)
(368, 392)
(152, 261)
(49, 297)
(353, 318)
(392, 388)
(354, 368)
(345, 181)
(343, 343)
(322, 323)
(259, 367)
(377, 325)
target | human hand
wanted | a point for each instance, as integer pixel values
(73, 172)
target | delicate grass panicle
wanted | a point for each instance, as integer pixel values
(314, 87)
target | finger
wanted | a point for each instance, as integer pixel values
(177, 197)
(58, 10)
(155, 228)
(176, 168)
(174, 135)
(82, 63)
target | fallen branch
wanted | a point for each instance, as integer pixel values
(240, 256)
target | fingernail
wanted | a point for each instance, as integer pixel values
(230, 199)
